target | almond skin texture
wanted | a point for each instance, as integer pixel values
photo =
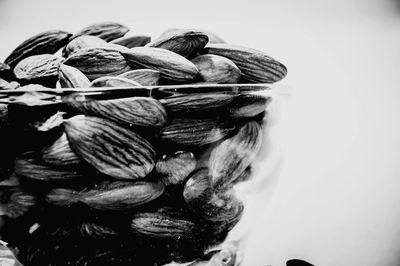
(217, 69)
(197, 190)
(132, 41)
(82, 42)
(171, 66)
(59, 153)
(42, 69)
(232, 156)
(86, 41)
(256, 66)
(109, 195)
(113, 82)
(196, 102)
(110, 148)
(248, 105)
(137, 111)
(212, 38)
(223, 210)
(15, 202)
(194, 132)
(118, 195)
(98, 62)
(166, 223)
(175, 169)
(71, 77)
(37, 66)
(145, 77)
(47, 42)
(32, 169)
(63, 197)
(187, 43)
(107, 31)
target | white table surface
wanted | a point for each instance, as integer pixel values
(336, 201)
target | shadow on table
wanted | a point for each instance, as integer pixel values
(297, 262)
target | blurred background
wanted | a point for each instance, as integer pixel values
(336, 201)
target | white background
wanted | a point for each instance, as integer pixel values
(336, 201)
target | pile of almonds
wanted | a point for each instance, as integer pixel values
(147, 179)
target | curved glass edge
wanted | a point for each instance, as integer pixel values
(258, 191)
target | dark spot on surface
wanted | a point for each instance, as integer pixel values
(297, 262)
